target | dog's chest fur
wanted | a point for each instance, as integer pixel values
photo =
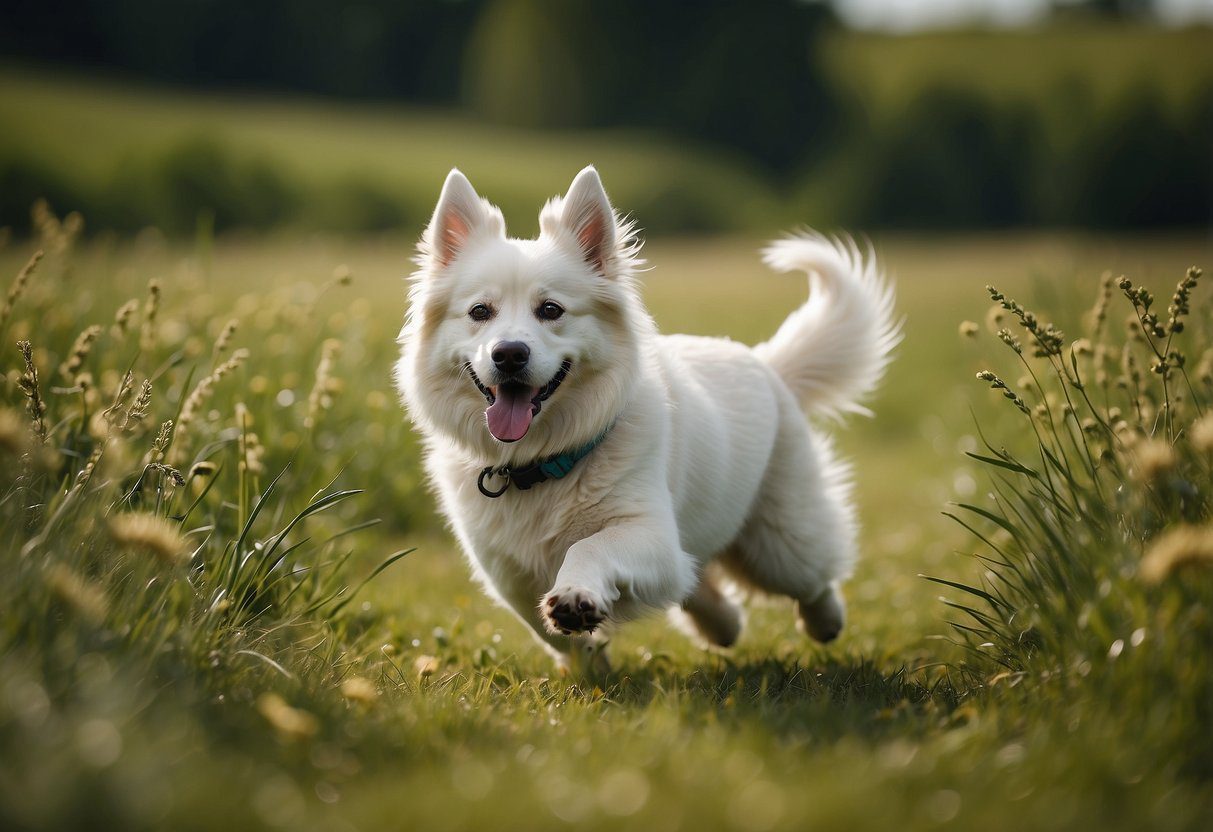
(521, 537)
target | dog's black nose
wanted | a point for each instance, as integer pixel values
(511, 356)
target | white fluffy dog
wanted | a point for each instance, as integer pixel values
(593, 469)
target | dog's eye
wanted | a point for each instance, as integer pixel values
(480, 312)
(549, 310)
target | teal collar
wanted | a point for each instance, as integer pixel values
(524, 477)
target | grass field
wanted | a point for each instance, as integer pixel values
(159, 706)
(1099, 63)
(159, 155)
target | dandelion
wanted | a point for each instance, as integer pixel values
(290, 723)
(28, 382)
(359, 689)
(149, 533)
(83, 345)
(342, 275)
(151, 307)
(1182, 547)
(969, 329)
(83, 597)
(321, 397)
(18, 288)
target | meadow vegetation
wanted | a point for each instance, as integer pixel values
(1040, 128)
(203, 464)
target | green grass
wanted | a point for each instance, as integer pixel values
(1099, 62)
(339, 152)
(165, 724)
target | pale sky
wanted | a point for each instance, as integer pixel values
(907, 15)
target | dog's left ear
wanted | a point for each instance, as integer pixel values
(587, 213)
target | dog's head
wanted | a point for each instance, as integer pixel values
(517, 349)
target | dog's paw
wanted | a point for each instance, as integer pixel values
(569, 610)
(824, 617)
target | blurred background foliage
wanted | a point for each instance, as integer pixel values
(724, 115)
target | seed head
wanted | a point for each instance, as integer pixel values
(122, 318)
(14, 434)
(151, 307)
(326, 386)
(290, 723)
(203, 390)
(1201, 434)
(1180, 301)
(83, 345)
(1155, 459)
(1011, 341)
(998, 384)
(28, 382)
(1099, 313)
(203, 470)
(225, 337)
(968, 329)
(1183, 547)
(16, 290)
(359, 689)
(160, 444)
(149, 533)
(83, 597)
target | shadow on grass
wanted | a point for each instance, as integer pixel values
(831, 698)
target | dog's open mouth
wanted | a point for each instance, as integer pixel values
(512, 405)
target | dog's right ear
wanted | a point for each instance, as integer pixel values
(460, 214)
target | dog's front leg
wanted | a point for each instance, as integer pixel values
(620, 570)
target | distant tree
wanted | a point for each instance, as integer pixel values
(1106, 8)
(740, 73)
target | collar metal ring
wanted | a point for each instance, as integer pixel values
(488, 472)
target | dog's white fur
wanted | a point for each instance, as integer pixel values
(708, 471)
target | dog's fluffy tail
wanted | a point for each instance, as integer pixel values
(833, 350)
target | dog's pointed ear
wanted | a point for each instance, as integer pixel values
(460, 213)
(587, 213)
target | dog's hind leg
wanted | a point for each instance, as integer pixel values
(710, 614)
(800, 538)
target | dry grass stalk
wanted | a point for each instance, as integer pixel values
(28, 382)
(20, 283)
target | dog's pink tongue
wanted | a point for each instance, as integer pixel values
(510, 413)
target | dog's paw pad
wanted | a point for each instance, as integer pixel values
(572, 611)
